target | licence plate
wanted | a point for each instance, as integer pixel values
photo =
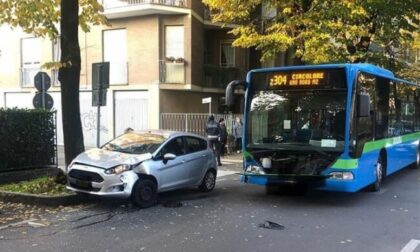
(80, 183)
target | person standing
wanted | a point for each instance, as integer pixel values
(213, 134)
(237, 134)
(223, 136)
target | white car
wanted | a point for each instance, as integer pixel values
(142, 164)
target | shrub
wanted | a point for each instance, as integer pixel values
(27, 138)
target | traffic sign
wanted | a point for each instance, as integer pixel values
(100, 75)
(43, 100)
(206, 100)
(99, 97)
(42, 81)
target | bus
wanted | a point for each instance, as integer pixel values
(338, 127)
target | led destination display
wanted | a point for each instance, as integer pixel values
(304, 79)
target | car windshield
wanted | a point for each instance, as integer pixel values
(135, 143)
(311, 118)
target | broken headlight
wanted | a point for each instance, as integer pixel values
(118, 169)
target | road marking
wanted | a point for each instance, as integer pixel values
(17, 224)
(411, 246)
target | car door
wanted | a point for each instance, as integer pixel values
(173, 173)
(196, 158)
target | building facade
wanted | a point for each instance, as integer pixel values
(165, 57)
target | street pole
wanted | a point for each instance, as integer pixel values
(210, 108)
(98, 126)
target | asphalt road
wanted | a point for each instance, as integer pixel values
(228, 219)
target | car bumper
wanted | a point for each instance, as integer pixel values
(79, 179)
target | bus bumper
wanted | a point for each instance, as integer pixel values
(314, 182)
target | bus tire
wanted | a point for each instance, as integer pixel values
(416, 164)
(379, 174)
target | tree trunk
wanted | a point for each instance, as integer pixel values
(69, 76)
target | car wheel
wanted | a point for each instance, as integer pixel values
(144, 193)
(209, 181)
(379, 170)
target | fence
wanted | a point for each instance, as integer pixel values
(193, 122)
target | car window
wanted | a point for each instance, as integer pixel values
(175, 146)
(195, 144)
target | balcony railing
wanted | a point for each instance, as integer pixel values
(172, 72)
(218, 77)
(110, 4)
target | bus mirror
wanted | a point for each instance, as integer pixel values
(230, 91)
(363, 105)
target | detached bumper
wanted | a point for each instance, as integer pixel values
(95, 181)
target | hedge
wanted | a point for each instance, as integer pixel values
(27, 138)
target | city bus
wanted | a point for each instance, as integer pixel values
(338, 127)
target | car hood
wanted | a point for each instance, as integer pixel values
(108, 159)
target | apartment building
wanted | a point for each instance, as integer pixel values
(165, 57)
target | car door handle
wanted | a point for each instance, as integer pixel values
(204, 155)
(184, 161)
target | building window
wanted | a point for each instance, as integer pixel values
(227, 54)
(174, 42)
(31, 50)
(115, 52)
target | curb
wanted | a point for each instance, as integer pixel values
(33, 199)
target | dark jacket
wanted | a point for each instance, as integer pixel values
(223, 132)
(212, 130)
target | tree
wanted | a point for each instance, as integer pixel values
(41, 19)
(321, 31)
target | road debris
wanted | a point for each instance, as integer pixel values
(271, 225)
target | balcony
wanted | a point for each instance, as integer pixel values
(218, 77)
(130, 8)
(172, 72)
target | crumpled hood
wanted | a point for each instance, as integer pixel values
(108, 159)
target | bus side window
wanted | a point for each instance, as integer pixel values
(364, 125)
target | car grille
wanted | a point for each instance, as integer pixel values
(86, 176)
(86, 188)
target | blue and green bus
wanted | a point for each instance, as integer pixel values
(339, 127)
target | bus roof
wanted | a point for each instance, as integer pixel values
(364, 67)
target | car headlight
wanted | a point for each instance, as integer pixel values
(255, 169)
(342, 175)
(118, 169)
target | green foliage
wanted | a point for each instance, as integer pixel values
(27, 138)
(41, 18)
(321, 31)
(43, 185)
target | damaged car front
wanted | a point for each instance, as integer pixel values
(112, 170)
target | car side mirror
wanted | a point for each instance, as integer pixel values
(168, 156)
(363, 106)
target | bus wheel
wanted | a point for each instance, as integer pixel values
(416, 164)
(379, 171)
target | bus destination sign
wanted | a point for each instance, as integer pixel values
(297, 79)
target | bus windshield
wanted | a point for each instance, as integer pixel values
(287, 118)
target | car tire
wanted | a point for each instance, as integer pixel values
(379, 174)
(209, 181)
(144, 193)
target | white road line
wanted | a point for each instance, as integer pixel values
(411, 246)
(17, 224)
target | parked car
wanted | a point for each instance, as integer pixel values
(141, 164)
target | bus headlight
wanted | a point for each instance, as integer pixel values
(255, 169)
(342, 175)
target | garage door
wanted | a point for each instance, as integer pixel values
(131, 110)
